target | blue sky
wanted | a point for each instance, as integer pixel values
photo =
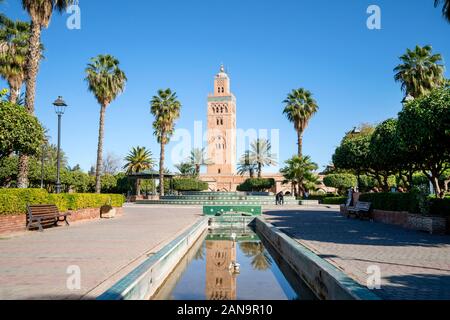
(268, 47)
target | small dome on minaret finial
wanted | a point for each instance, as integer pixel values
(222, 68)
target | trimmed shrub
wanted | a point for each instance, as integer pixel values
(440, 207)
(334, 200)
(189, 184)
(256, 184)
(392, 201)
(15, 201)
(340, 181)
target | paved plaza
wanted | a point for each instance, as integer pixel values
(414, 265)
(35, 265)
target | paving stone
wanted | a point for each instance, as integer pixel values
(413, 265)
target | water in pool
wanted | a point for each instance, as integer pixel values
(232, 265)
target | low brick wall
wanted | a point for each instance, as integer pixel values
(17, 224)
(435, 225)
(399, 218)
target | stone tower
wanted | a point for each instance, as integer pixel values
(222, 127)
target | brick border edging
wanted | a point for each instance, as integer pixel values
(410, 221)
(11, 224)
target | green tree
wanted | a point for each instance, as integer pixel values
(445, 7)
(424, 126)
(165, 107)
(198, 158)
(106, 81)
(245, 165)
(387, 156)
(340, 181)
(300, 106)
(15, 37)
(40, 12)
(261, 155)
(300, 171)
(138, 160)
(420, 71)
(20, 132)
(353, 154)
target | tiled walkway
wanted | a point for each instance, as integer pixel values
(35, 265)
(414, 265)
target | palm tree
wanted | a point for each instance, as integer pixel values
(261, 155)
(40, 12)
(106, 81)
(246, 165)
(420, 71)
(300, 171)
(138, 160)
(13, 58)
(300, 106)
(165, 107)
(445, 8)
(198, 159)
(185, 169)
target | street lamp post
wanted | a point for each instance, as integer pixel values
(60, 108)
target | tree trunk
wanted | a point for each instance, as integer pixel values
(138, 187)
(98, 171)
(300, 142)
(161, 169)
(34, 56)
(22, 176)
(259, 170)
(197, 169)
(385, 183)
(14, 90)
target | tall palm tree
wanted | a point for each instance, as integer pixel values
(300, 171)
(300, 106)
(40, 12)
(165, 107)
(138, 160)
(106, 81)
(420, 71)
(445, 7)
(13, 58)
(246, 165)
(261, 155)
(198, 158)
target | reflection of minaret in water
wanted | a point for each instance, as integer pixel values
(220, 279)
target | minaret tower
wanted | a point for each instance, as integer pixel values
(222, 127)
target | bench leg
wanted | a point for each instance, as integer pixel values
(66, 221)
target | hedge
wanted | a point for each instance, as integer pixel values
(258, 184)
(392, 201)
(189, 184)
(440, 207)
(406, 202)
(14, 201)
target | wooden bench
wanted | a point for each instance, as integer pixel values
(360, 210)
(46, 215)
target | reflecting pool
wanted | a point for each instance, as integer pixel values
(233, 264)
